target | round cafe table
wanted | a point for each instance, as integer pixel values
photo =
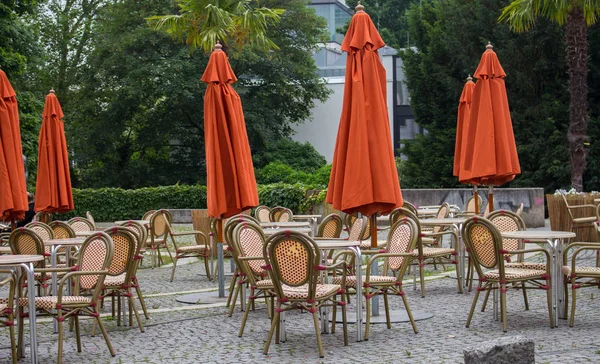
(284, 224)
(25, 262)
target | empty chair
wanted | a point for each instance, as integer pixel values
(141, 233)
(330, 227)
(262, 214)
(79, 224)
(62, 230)
(201, 249)
(157, 236)
(281, 214)
(91, 219)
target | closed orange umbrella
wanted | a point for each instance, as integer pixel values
(464, 111)
(490, 153)
(53, 185)
(13, 188)
(363, 177)
(231, 186)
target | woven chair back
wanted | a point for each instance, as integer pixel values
(124, 249)
(443, 212)
(79, 224)
(349, 220)
(281, 214)
(96, 254)
(330, 227)
(484, 242)
(158, 224)
(410, 207)
(366, 235)
(358, 229)
(402, 238)
(231, 223)
(148, 214)
(249, 241)
(139, 231)
(470, 206)
(262, 214)
(44, 231)
(62, 230)
(293, 258)
(507, 221)
(25, 241)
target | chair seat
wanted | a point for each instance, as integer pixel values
(301, 292)
(351, 280)
(192, 248)
(515, 273)
(112, 281)
(526, 265)
(585, 220)
(3, 308)
(430, 252)
(265, 283)
(581, 271)
(366, 244)
(49, 302)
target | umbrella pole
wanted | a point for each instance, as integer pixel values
(13, 225)
(374, 267)
(476, 194)
(491, 198)
(374, 231)
(220, 263)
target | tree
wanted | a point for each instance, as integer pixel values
(450, 38)
(204, 22)
(576, 15)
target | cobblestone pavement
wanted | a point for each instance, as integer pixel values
(186, 333)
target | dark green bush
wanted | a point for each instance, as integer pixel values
(279, 172)
(282, 194)
(300, 156)
(111, 204)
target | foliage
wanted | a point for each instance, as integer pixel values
(300, 156)
(204, 22)
(314, 199)
(275, 172)
(282, 194)
(522, 14)
(136, 117)
(112, 204)
(450, 37)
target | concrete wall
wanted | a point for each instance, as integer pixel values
(504, 198)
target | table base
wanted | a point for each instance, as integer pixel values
(396, 316)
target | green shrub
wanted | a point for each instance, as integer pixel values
(282, 194)
(279, 172)
(111, 204)
(300, 156)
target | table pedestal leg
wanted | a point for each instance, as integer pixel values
(31, 294)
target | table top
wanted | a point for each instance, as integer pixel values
(87, 233)
(303, 230)
(67, 241)
(307, 216)
(19, 258)
(336, 244)
(538, 235)
(5, 250)
(288, 224)
(143, 222)
(446, 221)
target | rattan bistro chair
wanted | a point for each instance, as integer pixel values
(157, 236)
(247, 244)
(199, 250)
(586, 221)
(330, 227)
(294, 267)
(62, 230)
(141, 233)
(94, 259)
(281, 214)
(262, 214)
(79, 224)
(486, 248)
(7, 311)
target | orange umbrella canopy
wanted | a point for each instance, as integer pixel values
(363, 175)
(489, 156)
(13, 188)
(53, 185)
(464, 111)
(231, 186)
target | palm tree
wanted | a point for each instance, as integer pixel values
(576, 16)
(204, 22)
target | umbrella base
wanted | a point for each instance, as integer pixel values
(203, 298)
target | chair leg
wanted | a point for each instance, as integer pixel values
(174, 267)
(473, 305)
(368, 308)
(135, 311)
(317, 330)
(334, 312)
(232, 287)
(138, 290)
(485, 300)
(525, 300)
(408, 311)
(20, 342)
(387, 309)
(503, 305)
(77, 333)
(238, 287)
(118, 297)
(59, 319)
(250, 299)
(105, 334)
(573, 303)
(274, 324)
(13, 344)
(422, 277)
(206, 268)
(472, 269)
(566, 292)
(344, 321)
(458, 276)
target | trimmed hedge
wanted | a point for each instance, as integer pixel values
(282, 194)
(111, 204)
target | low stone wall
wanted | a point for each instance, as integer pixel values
(504, 198)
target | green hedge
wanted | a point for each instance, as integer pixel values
(111, 204)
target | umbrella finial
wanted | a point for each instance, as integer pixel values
(489, 45)
(52, 90)
(218, 45)
(469, 78)
(359, 7)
